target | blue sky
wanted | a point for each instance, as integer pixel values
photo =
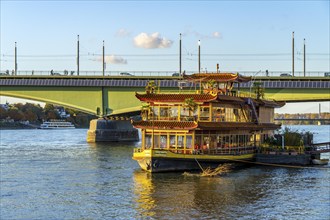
(46, 34)
(144, 35)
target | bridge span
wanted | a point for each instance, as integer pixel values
(116, 94)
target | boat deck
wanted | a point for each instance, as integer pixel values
(323, 147)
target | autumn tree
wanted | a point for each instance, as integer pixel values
(50, 112)
(3, 113)
(16, 114)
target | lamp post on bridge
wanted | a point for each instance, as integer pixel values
(103, 61)
(304, 58)
(15, 58)
(78, 56)
(180, 56)
(199, 56)
(293, 53)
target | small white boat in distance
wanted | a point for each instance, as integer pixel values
(56, 124)
(320, 161)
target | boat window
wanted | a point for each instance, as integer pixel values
(237, 116)
(251, 140)
(180, 141)
(257, 140)
(218, 114)
(163, 141)
(184, 113)
(168, 113)
(226, 141)
(174, 112)
(189, 141)
(213, 141)
(172, 141)
(154, 112)
(156, 141)
(198, 141)
(222, 87)
(204, 113)
(206, 142)
(148, 141)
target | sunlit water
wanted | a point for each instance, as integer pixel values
(55, 174)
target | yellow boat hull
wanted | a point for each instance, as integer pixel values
(157, 160)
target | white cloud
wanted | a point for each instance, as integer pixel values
(113, 59)
(122, 33)
(152, 41)
(217, 34)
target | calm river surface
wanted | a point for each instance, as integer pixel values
(55, 174)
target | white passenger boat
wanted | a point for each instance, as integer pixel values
(56, 124)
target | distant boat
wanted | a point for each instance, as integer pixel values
(320, 161)
(56, 124)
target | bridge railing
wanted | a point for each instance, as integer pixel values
(286, 74)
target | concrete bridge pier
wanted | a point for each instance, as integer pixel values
(103, 130)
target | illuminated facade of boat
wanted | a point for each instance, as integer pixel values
(204, 127)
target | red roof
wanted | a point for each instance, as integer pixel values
(165, 124)
(151, 97)
(218, 77)
(189, 125)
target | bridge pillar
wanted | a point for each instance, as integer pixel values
(102, 130)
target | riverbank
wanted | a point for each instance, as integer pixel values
(17, 125)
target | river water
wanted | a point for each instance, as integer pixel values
(55, 174)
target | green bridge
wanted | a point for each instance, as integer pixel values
(116, 94)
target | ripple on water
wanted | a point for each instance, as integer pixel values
(57, 175)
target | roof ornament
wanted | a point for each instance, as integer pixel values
(151, 87)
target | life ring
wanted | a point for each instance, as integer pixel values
(155, 164)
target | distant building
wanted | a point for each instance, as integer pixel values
(62, 113)
(5, 106)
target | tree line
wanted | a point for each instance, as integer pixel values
(36, 114)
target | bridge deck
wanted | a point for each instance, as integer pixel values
(142, 81)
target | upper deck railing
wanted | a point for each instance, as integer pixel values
(128, 74)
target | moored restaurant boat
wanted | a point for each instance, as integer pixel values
(57, 124)
(203, 127)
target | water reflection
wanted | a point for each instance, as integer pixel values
(176, 195)
(143, 190)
